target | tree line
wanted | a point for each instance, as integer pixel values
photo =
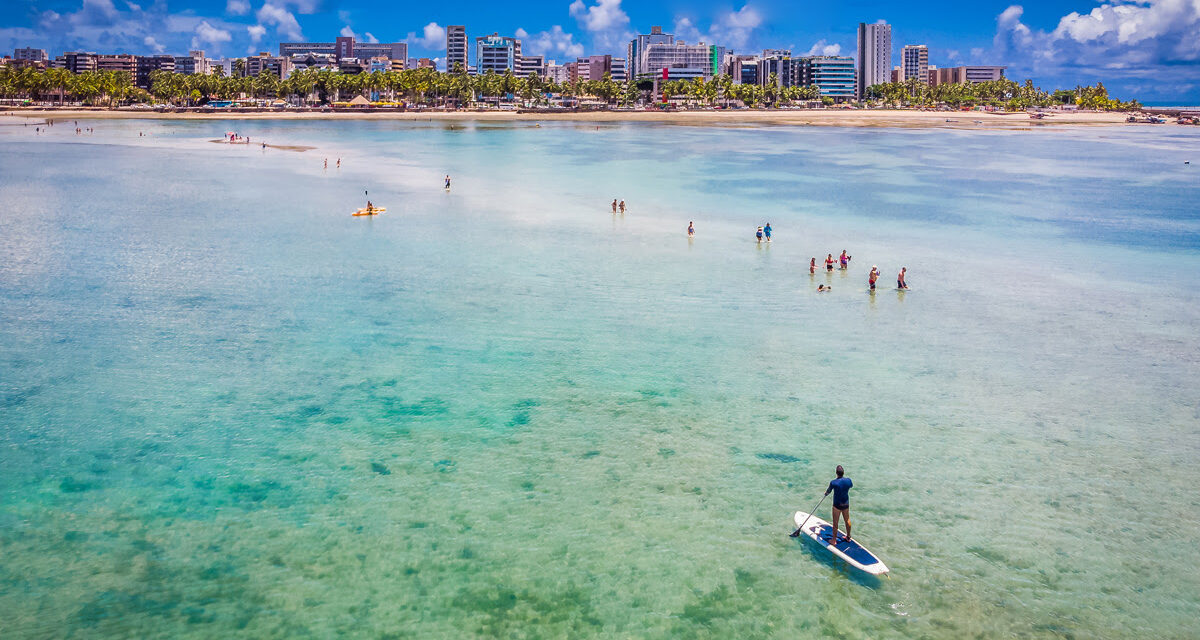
(429, 87)
(1004, 93)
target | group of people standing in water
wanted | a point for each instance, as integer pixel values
(618, 206)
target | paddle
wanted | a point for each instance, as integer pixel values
(796, 533)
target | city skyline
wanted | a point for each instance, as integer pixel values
(1051, 42)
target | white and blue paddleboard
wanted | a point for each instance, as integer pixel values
(851, 551)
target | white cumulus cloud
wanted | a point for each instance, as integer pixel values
(279, 17)
(732, 29)
(433, 37)
(1116, 40)
(237, 7)
(256, 32)
(347, 32)
(822, 48)
(605, 15)
(370, 38)
(552, 43)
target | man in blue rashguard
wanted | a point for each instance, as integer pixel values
(840, 486)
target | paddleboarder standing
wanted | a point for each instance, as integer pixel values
(840, 486)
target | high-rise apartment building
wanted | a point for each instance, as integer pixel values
(149, 64)
(914, 62)
(194, 63)
(619, 70)
(743, 69)
(497, 54)
(346, 47)
(874, 55)
(834, 76)
(639, 44)
(530, 66)
(456, 47)
(278, 65)
(965, 75)
(32, 55)
(77, 61)
(778, 67)
(126, 62)
(680, 60)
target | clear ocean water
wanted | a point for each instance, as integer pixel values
(229, 409)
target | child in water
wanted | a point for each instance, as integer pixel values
(759, 234)
(691, 230)
(767, 231)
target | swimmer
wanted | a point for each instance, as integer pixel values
(844, 259)
(812, 267)
(829, 262)
(759, 234)
(900, 283)
(822, 288)
(691, 230)
(767, 231)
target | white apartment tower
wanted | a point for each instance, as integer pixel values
(456, 47)
(874, 55)
(914, 60)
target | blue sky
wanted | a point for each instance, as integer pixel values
(1149, 49)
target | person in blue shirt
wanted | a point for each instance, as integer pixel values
(767, 231)
(840, 486)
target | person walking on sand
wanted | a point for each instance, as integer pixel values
(622, 207)
(840, 487)
(812, 267)
(759, 234)
(829, 263)
(767, 231)
(872, 277)
(900, 283)
(691, 230)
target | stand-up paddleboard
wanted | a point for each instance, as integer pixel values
(852, 552)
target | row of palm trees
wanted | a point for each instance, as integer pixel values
(415, 86)
(109, 88)
(1003, 93)
(427, 86)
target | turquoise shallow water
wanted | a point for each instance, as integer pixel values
(227, 409)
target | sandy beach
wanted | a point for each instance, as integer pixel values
(732, 118)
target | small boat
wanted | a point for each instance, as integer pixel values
(851, 551)
(369, 211)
